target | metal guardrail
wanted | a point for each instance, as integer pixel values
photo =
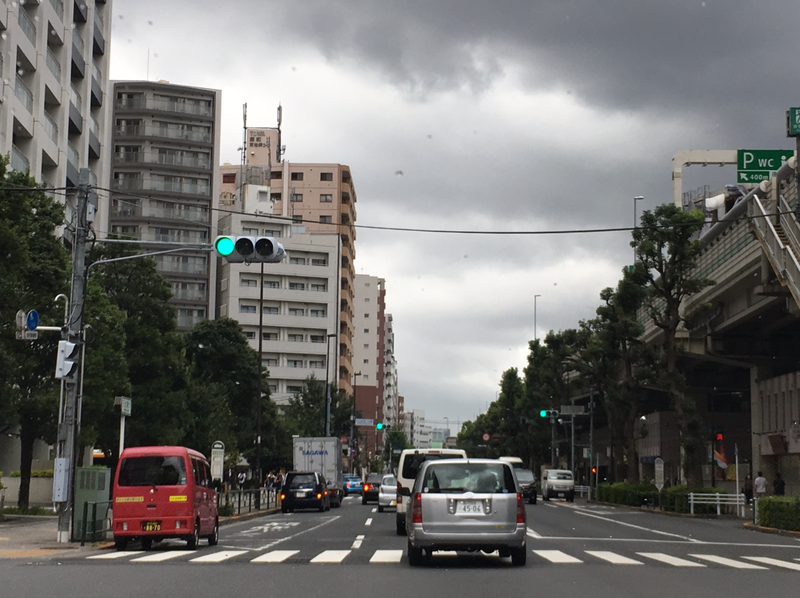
(236, 502)
(720, 500)
(587, 490)
(95, 529)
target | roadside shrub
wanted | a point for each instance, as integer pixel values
(779, 512)
(35, 473)
(622, 493)
(226, 510)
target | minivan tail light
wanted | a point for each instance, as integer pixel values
(416, 509)
(399, 493)
(520, 509)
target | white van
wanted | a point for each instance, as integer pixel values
(558, 483)
(407, 468)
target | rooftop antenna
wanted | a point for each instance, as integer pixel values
(243, 160)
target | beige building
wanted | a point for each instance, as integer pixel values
(165, 142)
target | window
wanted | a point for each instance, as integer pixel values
(366, 330)
(366, 284)
(229, 178)
(294, 388)
(272, 284)
(295, 338)
(326, 198)
(366, 376)
(297, 311)
(318, 287)
(275, 196)
(247, 309)
(296, 197)
(297, 260)
(270, 309)
(317, 313)
(297, 176)
(271, 361)
(325, 219)
(297, 217)
(366, 315)
(316, 364)
(248, 282)
(325, 176)
(273, 387)
(252, 232)
(297, 286)
(316, 261)
(366, 299)
(345, 176)
(317, 338)
(366, 345)
(276, 174)
(366, 361)
(269, 336)
(250, 335)
(271, 233)
(294, 363)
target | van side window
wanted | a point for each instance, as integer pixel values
(207, 472)
(197, 471)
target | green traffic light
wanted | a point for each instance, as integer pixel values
(379, 426)
(543, 413)
(224, 246)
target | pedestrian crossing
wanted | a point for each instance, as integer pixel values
(693, 560)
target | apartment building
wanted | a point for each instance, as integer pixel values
(319, 199)
(54, 72)
(390, 377)
(164, 181)
(417, 431)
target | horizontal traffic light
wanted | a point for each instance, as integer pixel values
(249, 250)
(548, 413)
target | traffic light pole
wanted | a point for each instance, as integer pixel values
(67, 427)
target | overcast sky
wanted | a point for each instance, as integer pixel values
(509, 115)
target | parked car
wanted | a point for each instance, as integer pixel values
(387, 493)
(408, 466)
(369, 490)
(558, 483)
(527, 483)
(466, 505)
(304, 490)
(352, 484)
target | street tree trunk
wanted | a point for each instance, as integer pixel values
(27, 437)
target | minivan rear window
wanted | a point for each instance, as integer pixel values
(152, 470)
(306, 480)
(412, 463)
(484, 478)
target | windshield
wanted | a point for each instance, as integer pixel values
(488, 478)
(374, 478)
(559, 475)
(524, 476)
(305, 480)
(152, 470)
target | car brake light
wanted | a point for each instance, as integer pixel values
(520, 509)
(366, 487)
(416, 509)
(399, 493)
(319, 495)
(283, 496)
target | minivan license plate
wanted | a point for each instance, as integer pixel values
(469, 507)
(151, 526)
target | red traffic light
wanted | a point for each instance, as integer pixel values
(719, 436)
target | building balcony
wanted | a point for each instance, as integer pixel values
(19, 160)
(151, 104)
(162, 159)
(148, 212)
(163, 132)
(134, 184)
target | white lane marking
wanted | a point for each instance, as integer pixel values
(669, 560)
(647, 529)
(114, 555)
(375, 510)
(368, 521)
(218, 557)
(305, 531)
(330, 556)
(721, 560)
(357, 542)
(775, 562)
(533, 534)
(556, 556)
(162, 556)
(275, 556)
(613, 557)
(386, 556)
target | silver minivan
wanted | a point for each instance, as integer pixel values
(467, 505)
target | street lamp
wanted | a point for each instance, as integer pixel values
(327, 385)
(635, 199)
(534, 316)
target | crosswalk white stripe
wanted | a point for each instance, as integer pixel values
(162, 556)
(533, 534)
(386, 556)
(776, 562)
(275, 556)
(330, 556)
(669, 560)
(721, 560)
(113, 555)
(368, 521)
(613, 557)
(218, 557)
(556, 556)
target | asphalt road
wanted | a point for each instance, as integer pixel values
(574, 549)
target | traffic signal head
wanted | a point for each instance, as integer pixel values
(379, 426)
(548, 413)
(248, 250)
(66, 360)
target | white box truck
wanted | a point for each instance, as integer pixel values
(324, 455)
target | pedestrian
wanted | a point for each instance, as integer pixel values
(778, 485)
(747, 489)
(760, 485)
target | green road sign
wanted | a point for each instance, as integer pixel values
(793, 122)
(754, 166)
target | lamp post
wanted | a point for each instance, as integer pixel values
(327, 384)
(635, 199)
(534, 316)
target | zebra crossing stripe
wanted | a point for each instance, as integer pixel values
(776, 562)
(613, 557)
(275, 556)
(386, 556)
(218, 557)
(159, 557)
(113, 555)
(669, 560)
(556, 556)
(721, 560)
(330, 556)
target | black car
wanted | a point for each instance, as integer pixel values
(304, 490)
(369, 491)
(528, 484)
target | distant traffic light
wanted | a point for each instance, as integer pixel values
(249, 250)
(66, 364)
(548, 413)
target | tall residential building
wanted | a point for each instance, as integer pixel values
(417, 431)
(319, 198)
(391, 399)
(54, 72)
(165, 142)
(368, 350)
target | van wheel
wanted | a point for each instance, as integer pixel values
(519, 556)
(120, 544)
(380, 509)
(194, 540)
(213, 539)
(401, 526)
(147, 543)
(415, 558)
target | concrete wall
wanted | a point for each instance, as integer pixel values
(41, 491)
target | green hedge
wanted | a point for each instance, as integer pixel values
(675, 498)
(35, 473)
(779, 512)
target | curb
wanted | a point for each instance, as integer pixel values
(771, 530)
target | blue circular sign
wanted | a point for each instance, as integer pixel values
(32, 321)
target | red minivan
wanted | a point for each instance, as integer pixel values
(164, 492)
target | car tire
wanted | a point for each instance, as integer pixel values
(363, 500)
(147, 543)
(213, 539)
(120, 544)
(519, 556)
(322, 506)
(534, 500)
(284, 509)
(571, 497)
(401, 525)
(194, 539)
(380, 509)
(415, 556)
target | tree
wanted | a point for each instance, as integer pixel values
(668, 252)
(306, 412)
(395, 439)
(34, 269)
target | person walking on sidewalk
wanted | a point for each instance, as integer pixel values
(760, 485)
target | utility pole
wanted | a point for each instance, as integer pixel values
(67, 428)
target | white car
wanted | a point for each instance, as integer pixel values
(387, 493)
